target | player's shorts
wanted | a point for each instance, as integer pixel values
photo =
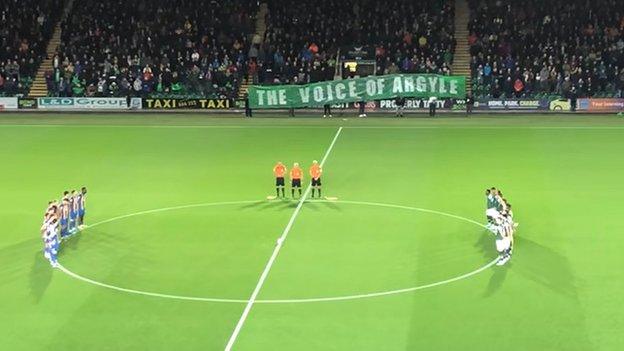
(63, 222)
(279, 181)
(492, 212)
(503, 244)
(296, 183)
(81, 212)
(52, 245)
(316, 182)
(72, 214)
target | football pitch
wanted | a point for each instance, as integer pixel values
(182, 251)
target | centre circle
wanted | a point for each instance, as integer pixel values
(342, 250)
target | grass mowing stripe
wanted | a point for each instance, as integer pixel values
(190, 126)
(276, 251)
(258, 126)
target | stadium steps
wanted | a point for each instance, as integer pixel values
(242, 90)
(261, 26)
(461, 59)
(39, 87)
(257, 38)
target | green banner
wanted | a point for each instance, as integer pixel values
(358, 89)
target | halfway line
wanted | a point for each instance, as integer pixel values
(276, 251)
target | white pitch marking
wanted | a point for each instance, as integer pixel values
(146, 293)
(383, 293)
(280, 301)
(275, 301)
(276, 250)
(412, 208)
(174, 208)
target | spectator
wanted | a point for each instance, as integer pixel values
(120, 41)
(549, 43)
(137, 86)
(25, 28)
(308, 40)
(518, 87)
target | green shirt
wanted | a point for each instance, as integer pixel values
(499, 205)
(491, 202)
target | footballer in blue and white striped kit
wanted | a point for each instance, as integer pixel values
(73, 212)
(50, 239)
(82, 201)
(64, 207)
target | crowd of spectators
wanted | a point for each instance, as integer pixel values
(25, 28)
(150, 48)
(153, 48)
(533, 48)
(302, 42)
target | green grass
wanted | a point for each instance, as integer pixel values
(561, 291)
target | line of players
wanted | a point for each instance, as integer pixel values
(296, 175)
(500, 223)
(61, 220)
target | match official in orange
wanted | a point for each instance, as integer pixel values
(296, 173)
(279, 170)
(315, 175)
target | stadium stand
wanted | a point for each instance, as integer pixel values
(538, 48)
(302, 42)
(151, 48)
(526, 49)
(25, 27)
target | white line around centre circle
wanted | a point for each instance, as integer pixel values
(280, 301)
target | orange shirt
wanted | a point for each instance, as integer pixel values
(279, 171)
(296, 173)
(315, 171)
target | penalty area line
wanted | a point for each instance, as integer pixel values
(276, 250)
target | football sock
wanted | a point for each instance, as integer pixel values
(277, 191)
(319, 191)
